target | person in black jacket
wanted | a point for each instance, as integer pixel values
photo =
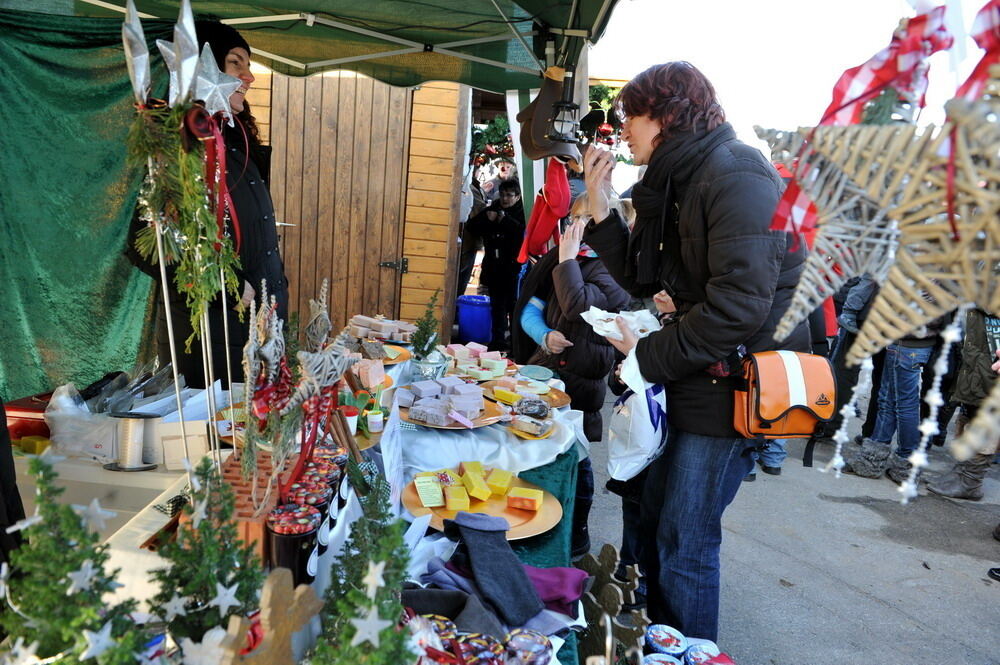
(501, 226)
(549, 331)
(260, 260)
(702, 234)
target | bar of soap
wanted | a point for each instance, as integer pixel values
(404, 397)
(524, 498)
(447, 477)
(480, 373)
(474, 467)
(494, 364)
(34, 444)
(507, 382)
(476, 486)
(462, 418)
(529, 425)
(475, 349)
(505, 396)
(492, 355)
(456, 498)
(391, 352)
(499, 481)
(425, 389)
(429, 491)
(449, 383)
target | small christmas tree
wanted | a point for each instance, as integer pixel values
(425, 336)
(362, 602)
(212, 573)
(55, 594)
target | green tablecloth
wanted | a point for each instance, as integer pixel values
(552, 548)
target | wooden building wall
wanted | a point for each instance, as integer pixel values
(368, 173)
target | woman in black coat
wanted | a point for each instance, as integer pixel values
(549, 331)
(702, 234)
(260, 260)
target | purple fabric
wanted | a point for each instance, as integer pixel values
(559, 588)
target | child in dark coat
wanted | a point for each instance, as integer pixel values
(549, 331)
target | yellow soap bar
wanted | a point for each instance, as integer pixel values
(456, 498)
(506, 396)
(476, 486)
(524, 498)
(499, 481)
(447, 477)
(429, 491)
(474, 467)
(34, 445)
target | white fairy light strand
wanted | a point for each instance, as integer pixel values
(929, 427)
(841, 437)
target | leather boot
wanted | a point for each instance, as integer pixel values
(996, 532)
(965, 480)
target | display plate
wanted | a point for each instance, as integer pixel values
(491, 415)
(403, 356)
(555, 398)
(523, 523)
(531, 437)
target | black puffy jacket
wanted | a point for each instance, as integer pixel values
(731, 277)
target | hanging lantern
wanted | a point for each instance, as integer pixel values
(564, 124)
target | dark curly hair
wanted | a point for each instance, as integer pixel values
(675, 93)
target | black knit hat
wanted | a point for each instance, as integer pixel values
(222, 37)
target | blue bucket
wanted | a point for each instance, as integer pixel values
(474, 322)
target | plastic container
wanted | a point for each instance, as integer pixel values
(474, 322)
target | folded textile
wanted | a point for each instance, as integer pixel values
(559, 588)
(483, 548)
(466, 610)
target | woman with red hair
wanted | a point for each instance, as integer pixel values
(702, 234)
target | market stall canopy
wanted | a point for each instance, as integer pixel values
(490, 44)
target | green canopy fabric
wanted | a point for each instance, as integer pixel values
(74, 308)
(402, 42)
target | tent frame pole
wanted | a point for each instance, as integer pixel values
(520, 38)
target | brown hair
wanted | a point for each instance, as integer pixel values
(675, 93)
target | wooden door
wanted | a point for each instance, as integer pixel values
(339, 168)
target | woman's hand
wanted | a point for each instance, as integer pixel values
(996, 366)
(628, 340)
(556, 342)
(597, 167)
(246, 298)
(664, 303)
(569, 244)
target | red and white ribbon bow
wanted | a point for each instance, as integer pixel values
(986, 32)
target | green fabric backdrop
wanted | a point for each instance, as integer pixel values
(73, 307)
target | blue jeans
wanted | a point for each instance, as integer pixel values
(773, 455)
(899, 398)
(688, 488)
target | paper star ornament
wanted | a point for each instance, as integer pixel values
(213, 86)
(367, 629)
(207, 652)
(82, 579)
(97, 643)
(22, 654)
(94, 517)
(373, 581)
(175, 607)
(225, 597)
(199, 513)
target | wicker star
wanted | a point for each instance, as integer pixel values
(251, 361)
(854, 234)
(273, 349)
(319, 326)
(319, 370)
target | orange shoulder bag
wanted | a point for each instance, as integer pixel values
(784, 395)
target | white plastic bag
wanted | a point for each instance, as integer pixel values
(77, 432)
(638, 426)
(641, 322)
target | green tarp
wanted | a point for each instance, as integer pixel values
(73, 307)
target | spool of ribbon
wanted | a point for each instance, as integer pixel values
(128, 441)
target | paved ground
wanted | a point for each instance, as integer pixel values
(819, 570)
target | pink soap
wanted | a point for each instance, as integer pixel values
(507, 383)
(371, 373)
(492, 355)
(460, 419)
(475, 349)
(457, 351)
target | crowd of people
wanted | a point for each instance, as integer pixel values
(693, 243)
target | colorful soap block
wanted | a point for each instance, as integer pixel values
(404, 397)
(458, 351)
(34, 444)
(447, 477)
(467, 390)
(456, 498)
(505, 396)
(370, 373)
(462, 418)
(491, 355)
(524, 498)
(449, 383)
(529, 425)
(475, 349)
(499, 481)
(508, 383)
(474, 467)
(429, 491)
(476, 486)
(495, 365)
(423, 389)
(481, 373)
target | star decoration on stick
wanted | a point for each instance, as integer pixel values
(22, 654)
(26, 523)
(225, 597)
(199, 513)
(367, 629)
(94, 517)
(136, 53)
(82, 579)
(373, 581)
(213, 86)
(97, 643)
